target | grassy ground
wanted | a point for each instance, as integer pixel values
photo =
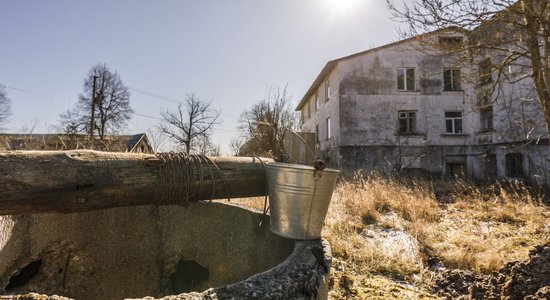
(387, 235)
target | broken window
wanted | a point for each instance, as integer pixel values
(327, 90)
(485, 73)
(316, 101)
(451, 79)
(455, 169)
(327, 120)
(491, 166)
(514, 165)
(453, 122)
(317, 133)
(486, 118)
(407, 122)
(450, 41)
(484, 97)
(405, 79)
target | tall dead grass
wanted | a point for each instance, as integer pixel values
(479, 229)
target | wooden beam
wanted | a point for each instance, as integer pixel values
(84, 180)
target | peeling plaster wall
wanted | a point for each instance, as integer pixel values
(369, 103)
(326, 109)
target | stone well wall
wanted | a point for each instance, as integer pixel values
(143, 251)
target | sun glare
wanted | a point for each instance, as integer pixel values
(342, 6)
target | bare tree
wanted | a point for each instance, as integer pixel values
(156, 138)
(105, 111)
(504, 36)
(205, 146)
(194, 119)
(5, 107)
(235, 145)
(266, 123)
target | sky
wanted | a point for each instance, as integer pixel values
(229, 53)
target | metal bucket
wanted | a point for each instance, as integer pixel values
(299, 197)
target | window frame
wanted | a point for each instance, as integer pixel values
(406, 80)
(514, 165)
(410, 122)
(450, 41)
(485, 117)
(485, 71)
(491, 166)
(327, 125)
(454, 121)
(317, 139)
(454, 85)
(327, 90)
(316, 101)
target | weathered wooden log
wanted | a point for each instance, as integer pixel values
(84, 180)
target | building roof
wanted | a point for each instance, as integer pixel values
(333, 63)
(114, 143)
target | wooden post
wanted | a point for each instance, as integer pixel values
(84, 180)
(299, 147)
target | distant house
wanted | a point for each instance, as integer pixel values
(137, 143)
(402, 107)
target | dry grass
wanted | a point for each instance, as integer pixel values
(481, 229)
(382, 231)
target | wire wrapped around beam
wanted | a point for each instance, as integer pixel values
(183, 176)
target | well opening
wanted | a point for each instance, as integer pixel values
(134, 252)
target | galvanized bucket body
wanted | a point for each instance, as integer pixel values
(299, 197)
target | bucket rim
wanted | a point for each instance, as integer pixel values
(297, 166)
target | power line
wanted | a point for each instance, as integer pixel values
(132, 88)
(32, 93)
(147, 116)
(168, 99)
(154, 95)
(157, 118)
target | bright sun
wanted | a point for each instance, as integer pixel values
(342, 6)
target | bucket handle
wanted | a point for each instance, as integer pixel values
(318, 163)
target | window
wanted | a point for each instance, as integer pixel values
(491, 166)
(455, 169)
(317, 101)
(405, 79)
(327, 90)
(451, 79)
(317, 133)
(486, 118)
(450, 41)
(308, 109)
(514, 165)
(453, 122)
(485, 75)
(484, 97)
(407, 122)
(327, 121)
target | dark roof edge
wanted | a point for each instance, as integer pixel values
(142, 135)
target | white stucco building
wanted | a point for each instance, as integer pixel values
(406, 106)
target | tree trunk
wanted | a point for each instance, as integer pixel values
(78, 181)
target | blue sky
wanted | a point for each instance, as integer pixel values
(226, 52)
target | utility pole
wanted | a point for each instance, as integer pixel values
(92, 122)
